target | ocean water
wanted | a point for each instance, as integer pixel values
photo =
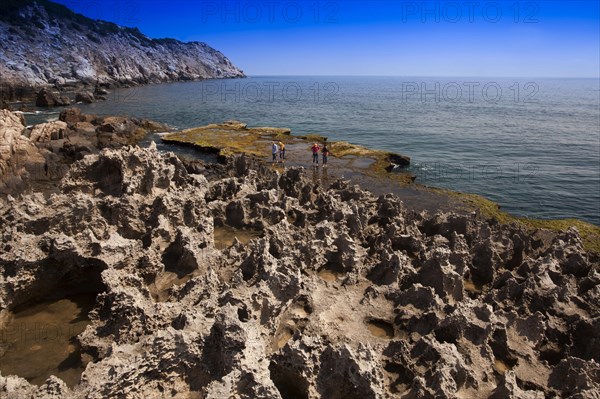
(532, 145)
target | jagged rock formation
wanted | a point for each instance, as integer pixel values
(45, 44)
(344, 295)
(43, 153)
(18, 155)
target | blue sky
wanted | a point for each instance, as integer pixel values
(398, 38)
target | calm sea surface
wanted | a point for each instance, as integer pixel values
(532, 145)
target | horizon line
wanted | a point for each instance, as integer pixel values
(422, 76)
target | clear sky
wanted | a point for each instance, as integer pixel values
(402, 38)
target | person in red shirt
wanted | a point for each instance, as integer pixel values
(315, 151)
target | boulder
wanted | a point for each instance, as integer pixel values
(18, 155)
(115, 124)
(71, 116)
(397, 160)
(84, 97)
(48, 131)
(46, 98)
(13, 144)
(99, 91)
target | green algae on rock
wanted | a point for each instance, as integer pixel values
(229, 138)
(590, 234)
(234, 137)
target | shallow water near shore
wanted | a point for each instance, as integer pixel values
(39, 341)
(533, 150)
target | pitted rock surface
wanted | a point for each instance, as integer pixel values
(343, 295)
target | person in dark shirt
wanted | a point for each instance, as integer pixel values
(325, 153)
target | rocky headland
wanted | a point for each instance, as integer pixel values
(319, 290)
(46, 45)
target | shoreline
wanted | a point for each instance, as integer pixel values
(405, 183)
(348, 162)
(24, 97)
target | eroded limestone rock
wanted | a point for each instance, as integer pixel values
(341, 295)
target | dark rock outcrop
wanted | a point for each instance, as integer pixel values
(84, 97)
(46, 98)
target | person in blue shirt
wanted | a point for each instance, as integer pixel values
(274, 150)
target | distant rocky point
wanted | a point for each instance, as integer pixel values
(45, 44)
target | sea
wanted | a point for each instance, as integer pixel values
(530, 144)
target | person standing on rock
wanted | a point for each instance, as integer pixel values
(274, 150)
(325, 153)
(281, 151)
(315, 151)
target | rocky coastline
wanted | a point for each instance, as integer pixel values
(336, 293)
(54, 57)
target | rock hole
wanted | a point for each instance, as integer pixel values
(382, 274)
(447, 333)
(160, 289)
(504, 360)
(471, 289)
(248, 268)
(243, 314)
(109, 176)
(552, 356)
(289, 383)
(401, 377)
(380, 328)
(500, 366)
(339, 377)
(528, 385)
(180, 266)
(291, 217)
(41, 340)
(178, 260)
(302, 306)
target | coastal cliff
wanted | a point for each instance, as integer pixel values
(45, 44)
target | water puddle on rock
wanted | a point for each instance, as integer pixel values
(225, 235)
(380, 328)
(330, 272)
(328, 275)
(39, 341)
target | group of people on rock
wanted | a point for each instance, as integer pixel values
(278, 151)
(324, 152)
